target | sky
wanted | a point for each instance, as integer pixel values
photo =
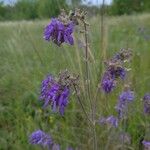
(94, 2)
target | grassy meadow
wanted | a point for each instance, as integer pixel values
(25, 60)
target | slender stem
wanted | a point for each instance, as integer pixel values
(95, 138)
(124, 128)
(102, 30)
(102, 49)
(87, 67)
(88, 86)
(95, 101)
(124, 124)
(78, 97)
(92, 124)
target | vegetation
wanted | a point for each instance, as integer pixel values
(32, 9)
(25, 59)
(120, 7)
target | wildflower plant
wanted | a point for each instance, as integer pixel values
(56, 91)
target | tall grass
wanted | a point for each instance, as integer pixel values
(25, 59)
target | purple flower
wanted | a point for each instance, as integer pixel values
(111, 120)
(54, 94)
(59, 32)
(46, 84)
(117, 72)
(146, 144)
(40, 138)
(110, 78)
(123, 55)
(124, 98)
(108, 84)
(146, 100)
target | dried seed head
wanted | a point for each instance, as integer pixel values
(68, 79)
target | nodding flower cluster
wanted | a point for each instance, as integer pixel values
(60, 29)
(55, 92)
(125, 98)
(59, 32)
(115, 69)
(43, 139)
(146, 144)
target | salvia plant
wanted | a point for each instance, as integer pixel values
(56, 91)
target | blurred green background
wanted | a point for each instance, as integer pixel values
(25, 60)
(33, 9)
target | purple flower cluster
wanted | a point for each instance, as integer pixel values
(115, 69)
(108, 84)
(123, 55)
(124, 98)
(54, 94)
(117, 72)
(109, 79)
(59, 32)
(40, 138)
(146, 100)
(111, 121)
(146, 144)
